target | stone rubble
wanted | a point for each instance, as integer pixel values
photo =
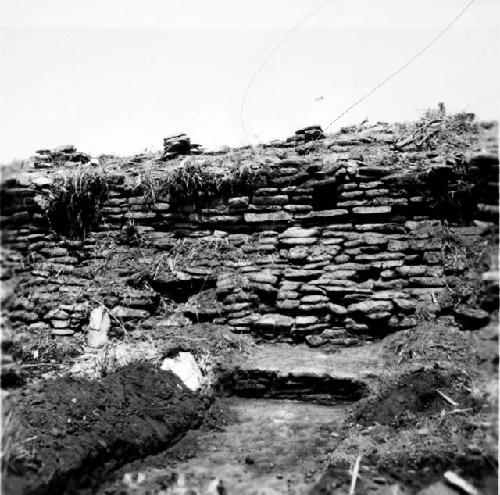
(63, 155)
(180, 144)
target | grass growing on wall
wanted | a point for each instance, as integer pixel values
(198, 183)
(77, 195)
(435, 129)
(74, 207)
(464, 263)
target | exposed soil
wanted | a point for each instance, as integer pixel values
(415, 393)
(408, 434)
(75, 431)
(280, 445)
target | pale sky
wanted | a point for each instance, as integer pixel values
(116, 76)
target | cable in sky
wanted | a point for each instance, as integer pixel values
(269, 57)
(406, 64)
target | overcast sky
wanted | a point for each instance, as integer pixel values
(116, 76)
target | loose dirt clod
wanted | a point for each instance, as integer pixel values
(83, 429)
(415, 393)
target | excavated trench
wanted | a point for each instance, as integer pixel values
(278, 415)
(273, 416)
(279, 445)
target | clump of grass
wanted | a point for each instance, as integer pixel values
(11, 437)
(15, 446)
(74, 207)
(435, 129)
(147, 184)
(41, 347)
(130, 235)
(198, 184)
(464, 263)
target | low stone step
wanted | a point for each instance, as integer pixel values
(281, 371)
(320, 389)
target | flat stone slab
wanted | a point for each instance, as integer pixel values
(350, 363)
(371, 210)
(326, 214)
(278, 216)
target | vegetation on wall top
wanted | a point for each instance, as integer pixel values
(74, 207)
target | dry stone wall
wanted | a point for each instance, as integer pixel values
(326, 252)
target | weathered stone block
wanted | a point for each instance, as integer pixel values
(374, 239)
(288, 294)
(411, 270)
(291, 274)
(281, 199)
(298, 208)
(331, 241)
(372, 210)
(334, 214)
(373, 171)
(389, 284)
(129, 313)
(337, 310)
(274, 322)
(311, 289)
(294, 232)
(353, 202)
(287, 304)
(264, 277)
(313, 299)
(140, 215)
(279, 216)
(471, 318)
(161, 207)
(240, 202)
(266, 289)
(298, 241)
(384, 256)
(353, 194)
(314, 308)
(302, 321)
(384, 265)
(397, 245)
(405, 305)
(372, 193)
(370, 306)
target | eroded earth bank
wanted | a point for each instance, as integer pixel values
(315, 315)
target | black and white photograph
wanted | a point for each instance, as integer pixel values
(249, 247)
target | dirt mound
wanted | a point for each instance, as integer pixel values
(79, 430)
(417, 392)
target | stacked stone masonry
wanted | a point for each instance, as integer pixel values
(331, 253)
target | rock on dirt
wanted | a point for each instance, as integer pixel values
(184, 365)
(79, 430)
(471, 318)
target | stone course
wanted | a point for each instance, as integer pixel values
(324, 253)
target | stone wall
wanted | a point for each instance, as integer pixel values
(327, 251)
